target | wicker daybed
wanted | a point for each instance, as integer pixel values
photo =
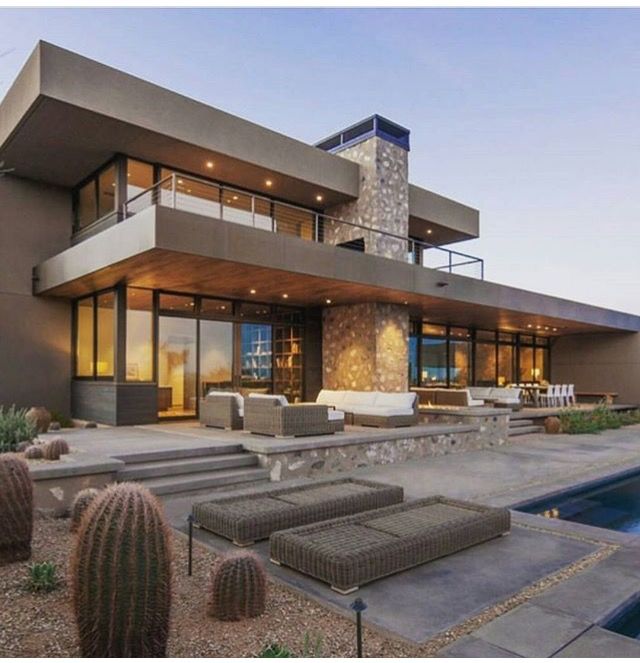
(254, 516)
(352, 551)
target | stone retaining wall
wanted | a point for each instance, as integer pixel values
(316, 461)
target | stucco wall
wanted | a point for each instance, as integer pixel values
(383, 202)
(599, 362)
(35, 362)
(365, 347)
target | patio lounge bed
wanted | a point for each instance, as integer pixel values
(273, 415)
(222, 409)
(254, 516)
(349, 552)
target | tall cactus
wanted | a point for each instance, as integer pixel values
(16, 509)
(121, 575)
(238, 587)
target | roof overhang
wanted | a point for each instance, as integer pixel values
(66, 115)
(439, 220)
(171, 249)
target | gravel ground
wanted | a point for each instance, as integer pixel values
(37, 625)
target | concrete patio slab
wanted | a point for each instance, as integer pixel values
(472, 647)
(419, 603)
(592, 595)
(532, 631)
(600, 643)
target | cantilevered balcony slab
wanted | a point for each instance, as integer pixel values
(181, 251)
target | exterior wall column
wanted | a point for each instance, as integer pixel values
(365, 347)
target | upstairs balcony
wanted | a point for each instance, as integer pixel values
(205, 198)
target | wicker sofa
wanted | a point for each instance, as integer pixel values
(222, 409)
(499, 396)
(373, 408)
(351, 551)
(254, 516)
(273, 415)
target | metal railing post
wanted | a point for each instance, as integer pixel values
(316, 230)
(253, 211)
(174, 192)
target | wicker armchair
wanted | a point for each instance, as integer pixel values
(222, 410)
(274, 416)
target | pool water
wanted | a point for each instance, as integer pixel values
(613, 506)
(628, 623)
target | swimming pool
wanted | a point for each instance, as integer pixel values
(613, 505)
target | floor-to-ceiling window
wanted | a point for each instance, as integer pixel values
(256, 358)
(139, 335)
(441, 355)
(94, 334)
(216, 355)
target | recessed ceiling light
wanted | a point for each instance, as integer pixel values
(529, 326)
(405, 302)
(235, 197)
(538, 327)
(268, 182)
(252, 291)
(180, 182)
(328, 301)
(555, 329)
(285, 296)
(209, 164)
(319, 198)
(429, 231)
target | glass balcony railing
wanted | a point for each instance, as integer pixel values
(205, 198)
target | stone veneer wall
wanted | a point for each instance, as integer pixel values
(365, 347)
(383, 203)
(319, 461)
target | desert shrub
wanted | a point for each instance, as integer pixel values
(43, 577)
(276, 651)
(600, 418)
(62, 419)
(14, 428)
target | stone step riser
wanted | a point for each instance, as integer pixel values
(178, 453)
(525, 430)
(137, 471)
(189, 483)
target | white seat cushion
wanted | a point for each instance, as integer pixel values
(275, 397)
(330, 397)
(402, 400)
(352, 398)
(239, 398)
(379, 411)
(336, 415)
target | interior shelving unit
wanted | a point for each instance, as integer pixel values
(287, 352)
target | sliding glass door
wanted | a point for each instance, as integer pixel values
(177, 353)
(216, 356)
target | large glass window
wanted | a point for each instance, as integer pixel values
(459, 357)
(96, 198)
(485, 369)
(256, 358)
(84, 337)
(177, 387)
(506, 371)
(139, 177)
(414, 364)
(139, 344)
(525, 356)
(216, 355)
(433, 361)
(105, 322)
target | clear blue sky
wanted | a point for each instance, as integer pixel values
(532, 116)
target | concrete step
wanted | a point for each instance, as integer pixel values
(179, 453)
(174, 467)
(516, 423)
(525, 430)
(198, 481)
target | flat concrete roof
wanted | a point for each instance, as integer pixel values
(172, 249)
(98, 111)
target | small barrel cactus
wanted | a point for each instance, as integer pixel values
(16, 509)
(552, 425)
(34, 452)
(238, 587)
(121, 575)
(23, 446)
(60, 445)
(81, 502)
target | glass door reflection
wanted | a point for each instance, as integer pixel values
(177, 386)
(216, 356)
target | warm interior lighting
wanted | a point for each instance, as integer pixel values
(268, 182)
(209, 164)
(285, 296)
(328, 301)
(252, 291)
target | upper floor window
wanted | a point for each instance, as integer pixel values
(96, 198)
(139, 177)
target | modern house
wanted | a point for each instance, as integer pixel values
(153, 247)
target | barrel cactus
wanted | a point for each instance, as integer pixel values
(34, 452)
(81, 502)
(121, 575)
(238, 587)
(58, 447)
(16, 509)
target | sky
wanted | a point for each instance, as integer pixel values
(531, 116)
